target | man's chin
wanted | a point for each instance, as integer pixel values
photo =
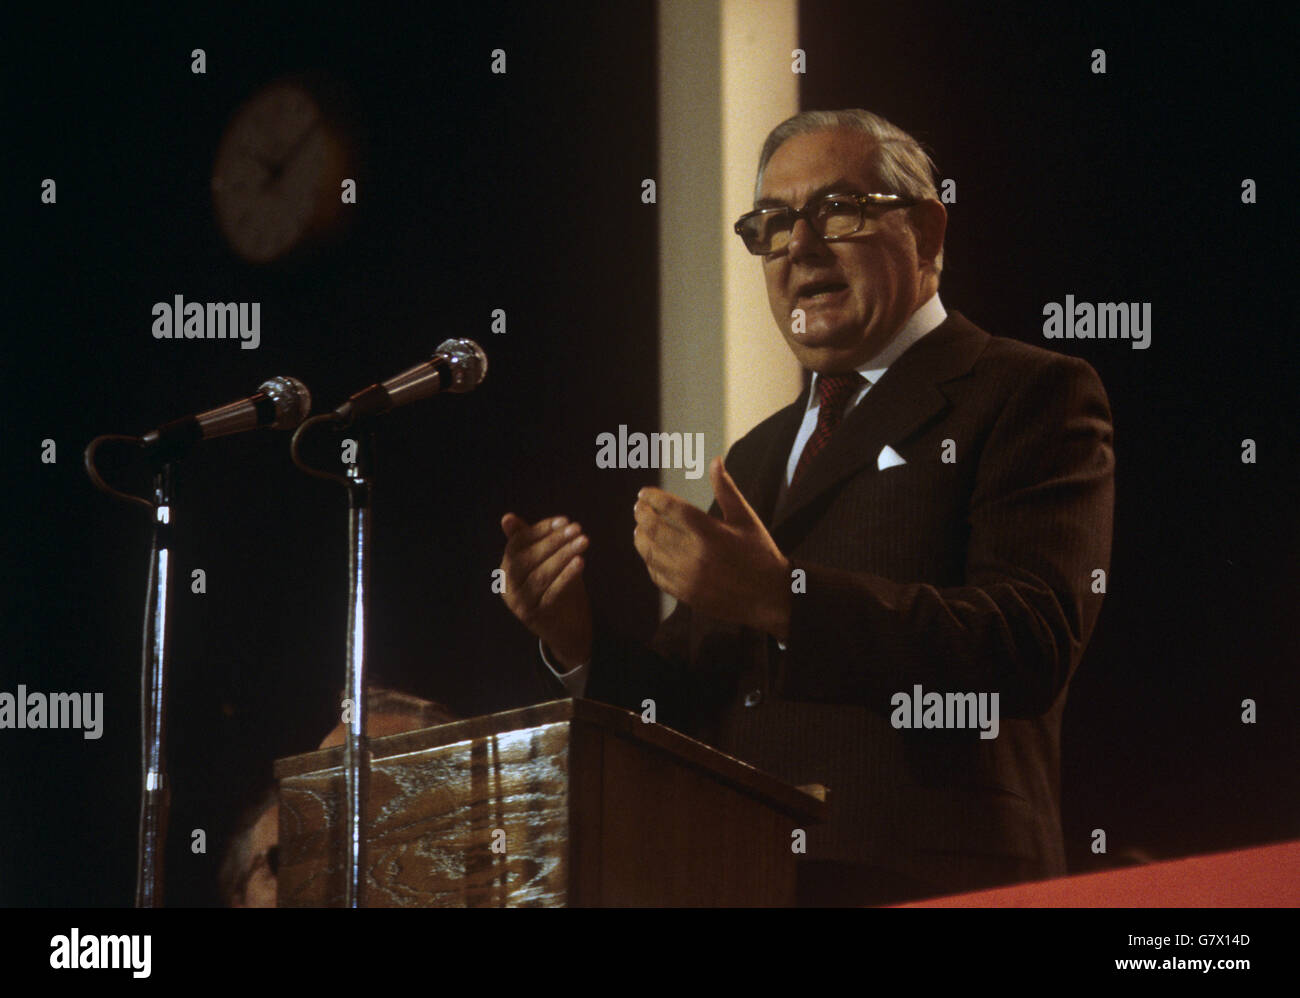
(823, 354)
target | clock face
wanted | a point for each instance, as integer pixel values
(277, 173)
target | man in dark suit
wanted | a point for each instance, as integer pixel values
(932, 518)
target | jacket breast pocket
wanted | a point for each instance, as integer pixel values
(907, 523)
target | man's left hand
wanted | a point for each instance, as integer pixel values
(729, 569)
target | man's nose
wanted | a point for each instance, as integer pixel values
(804, 240)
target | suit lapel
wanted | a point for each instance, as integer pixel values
(768, 475)
(759, 473)
(902, 401)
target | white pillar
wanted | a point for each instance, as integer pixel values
(725, 80)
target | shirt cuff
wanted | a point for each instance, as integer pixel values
(575, 680)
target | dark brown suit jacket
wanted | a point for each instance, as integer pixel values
(970, 576)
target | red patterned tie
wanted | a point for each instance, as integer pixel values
(833, 392)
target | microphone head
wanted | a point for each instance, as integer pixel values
(467, 362)
(291, 399)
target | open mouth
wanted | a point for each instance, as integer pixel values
(820, 291)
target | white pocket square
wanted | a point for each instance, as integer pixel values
(888, 458)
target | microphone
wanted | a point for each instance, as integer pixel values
(280, 403)
(457, 366)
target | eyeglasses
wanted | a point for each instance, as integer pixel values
(835, 216)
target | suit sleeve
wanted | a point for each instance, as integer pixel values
(1040, 522)
(627, 673)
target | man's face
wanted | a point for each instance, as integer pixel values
(260, 889)
(855, 292)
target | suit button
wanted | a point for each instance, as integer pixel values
(753, 698)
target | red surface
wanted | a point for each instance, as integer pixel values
(1264, 877)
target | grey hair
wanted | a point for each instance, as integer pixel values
(902, 164)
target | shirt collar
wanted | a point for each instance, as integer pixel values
(925, 319)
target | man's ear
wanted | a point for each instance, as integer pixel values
(929, 222)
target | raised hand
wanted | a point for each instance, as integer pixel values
(543, 584)
(730, 569)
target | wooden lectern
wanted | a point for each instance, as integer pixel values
(566, 803)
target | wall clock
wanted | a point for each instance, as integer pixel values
(276, 182)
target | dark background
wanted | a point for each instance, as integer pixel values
(522, 192)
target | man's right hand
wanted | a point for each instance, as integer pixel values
(544, 588)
